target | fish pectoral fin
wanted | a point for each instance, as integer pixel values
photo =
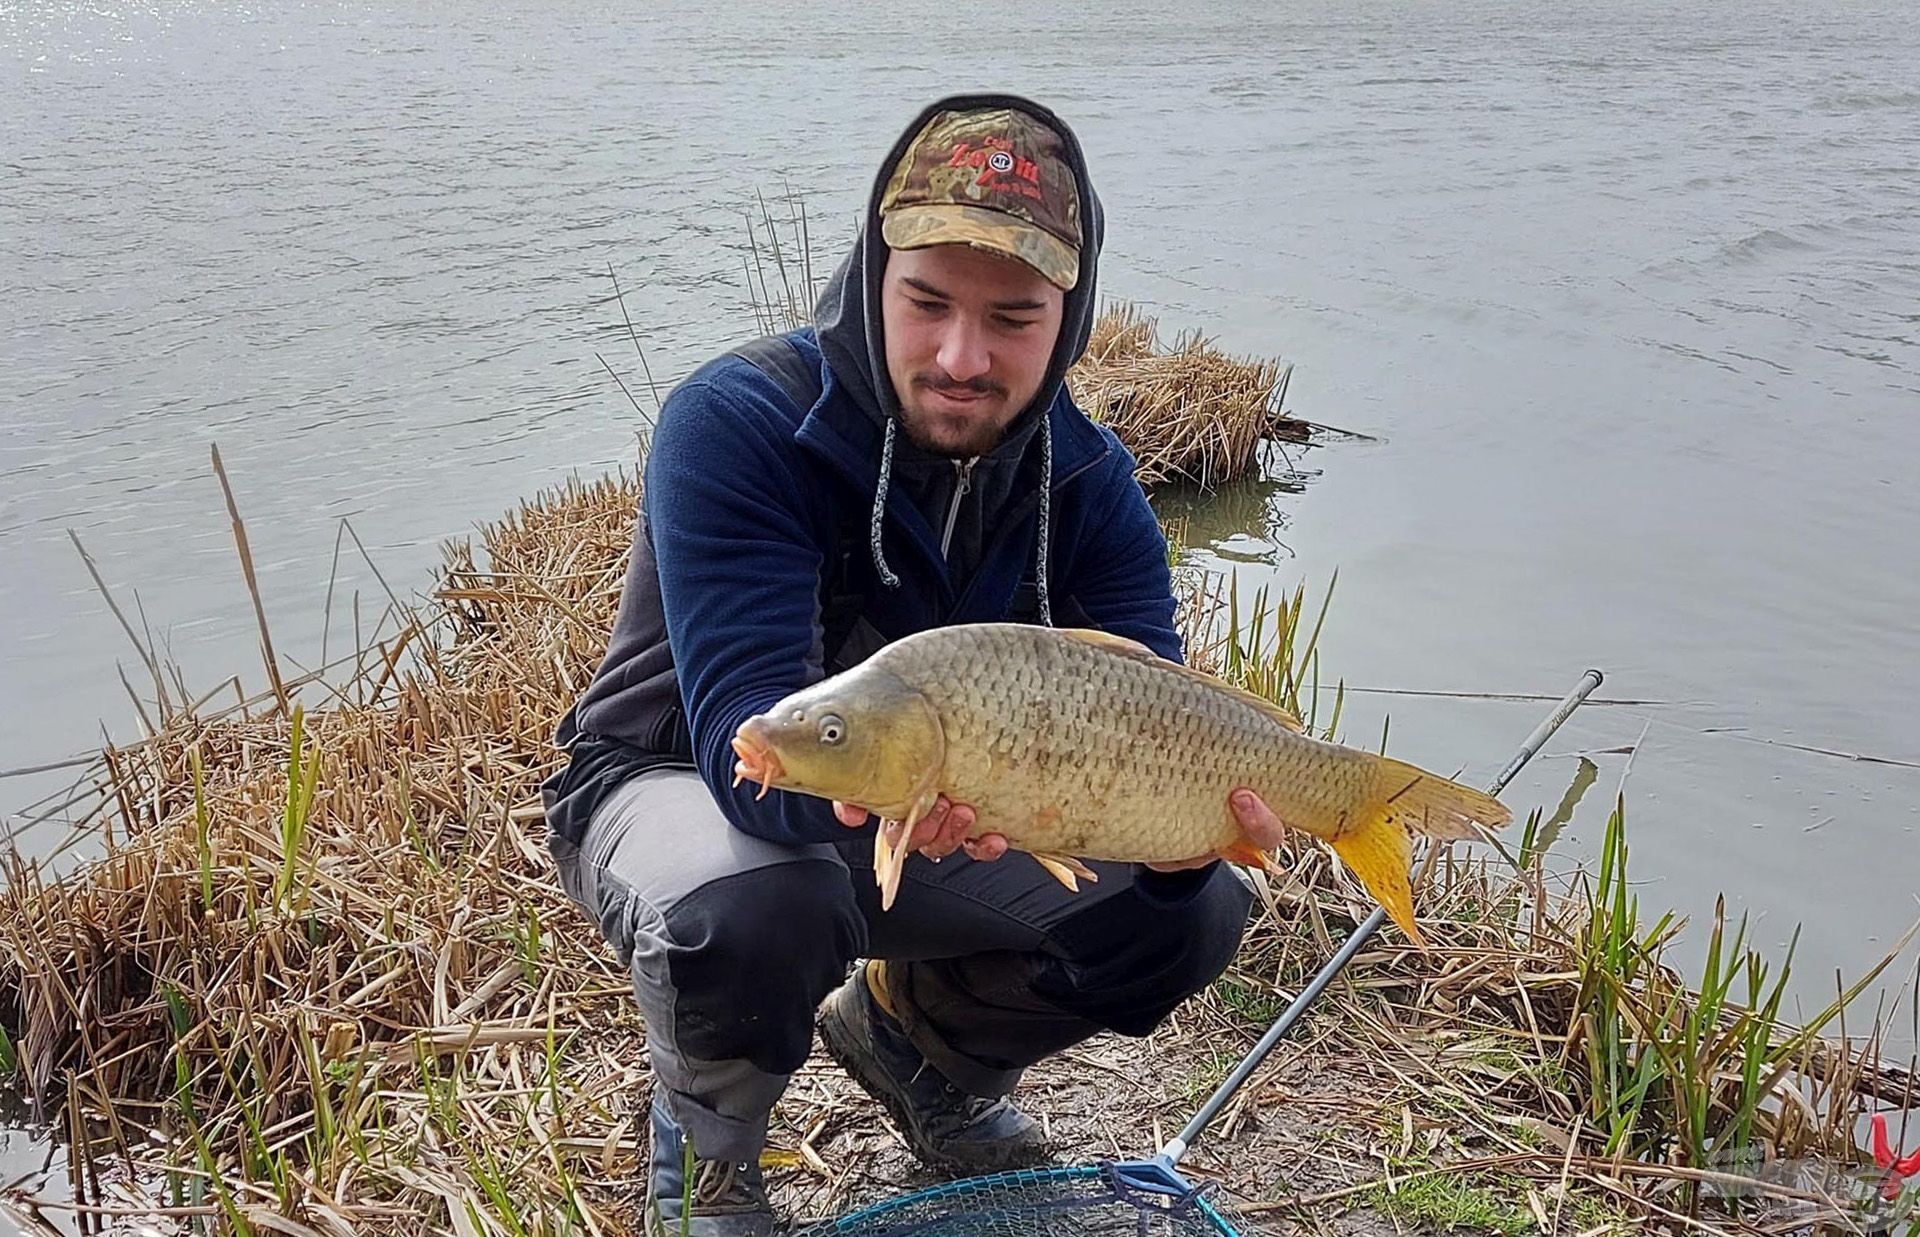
(1246, 854)
(881, 851)
(890, 852)
(1378, 850)
(1066, 869)
(889, 859)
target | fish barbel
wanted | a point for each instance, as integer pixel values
(1078, 744)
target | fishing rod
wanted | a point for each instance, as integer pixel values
(1176, 1147)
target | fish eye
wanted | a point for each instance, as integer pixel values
(832, 729)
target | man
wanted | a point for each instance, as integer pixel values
(809, 498)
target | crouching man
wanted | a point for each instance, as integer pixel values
(913, 461)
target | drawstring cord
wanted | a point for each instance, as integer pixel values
(888, 578)
(880, 509)
(1046, 516)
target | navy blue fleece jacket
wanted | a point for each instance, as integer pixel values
(744, 493)
(754, 528)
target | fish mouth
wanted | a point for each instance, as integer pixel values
(754, 759)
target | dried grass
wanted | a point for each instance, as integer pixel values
(1188, 412)
(286, 970)
(323, 981)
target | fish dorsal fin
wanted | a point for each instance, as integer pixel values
(1140, 652)
(1112, 643)
(1252, 699)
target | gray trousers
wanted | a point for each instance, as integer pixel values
(734, 941)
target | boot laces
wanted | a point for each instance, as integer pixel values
(962, 1108)
(719, 1181)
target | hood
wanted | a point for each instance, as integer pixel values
(847, 316)
(847, 323)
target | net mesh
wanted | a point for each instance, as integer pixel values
(1070, 1202)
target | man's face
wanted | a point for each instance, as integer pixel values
(969, 334)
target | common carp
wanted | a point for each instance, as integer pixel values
(1077, 744)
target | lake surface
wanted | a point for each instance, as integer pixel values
(1631, 303)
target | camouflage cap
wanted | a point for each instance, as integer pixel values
(997, 179)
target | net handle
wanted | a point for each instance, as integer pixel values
(1177, 1147)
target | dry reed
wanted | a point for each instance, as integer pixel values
(1188, 412)
(322, 980)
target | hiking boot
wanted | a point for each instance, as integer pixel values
(943, 1125)
(725, 1198)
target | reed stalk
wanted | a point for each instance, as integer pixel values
(322, 978)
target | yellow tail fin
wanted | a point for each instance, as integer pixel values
(1432, 806)
(1378, 850)
(1377, 844)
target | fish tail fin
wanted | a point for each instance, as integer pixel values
(1376, 843)
(1433, 806)
(1377, 848)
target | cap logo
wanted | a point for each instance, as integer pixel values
(999, 167)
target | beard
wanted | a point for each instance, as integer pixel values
(957, 433)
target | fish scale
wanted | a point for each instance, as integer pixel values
(1077, 745)
(1146, 755)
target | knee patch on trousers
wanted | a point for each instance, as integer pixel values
(751, 957)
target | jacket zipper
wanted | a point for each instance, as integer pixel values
(964, 471)
(1010, 521)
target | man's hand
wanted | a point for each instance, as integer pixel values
(1256, 819)
(940, 832)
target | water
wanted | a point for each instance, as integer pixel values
(1630, 301)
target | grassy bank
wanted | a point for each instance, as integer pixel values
(322, 980)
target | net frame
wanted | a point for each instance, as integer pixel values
(1164, 1204)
